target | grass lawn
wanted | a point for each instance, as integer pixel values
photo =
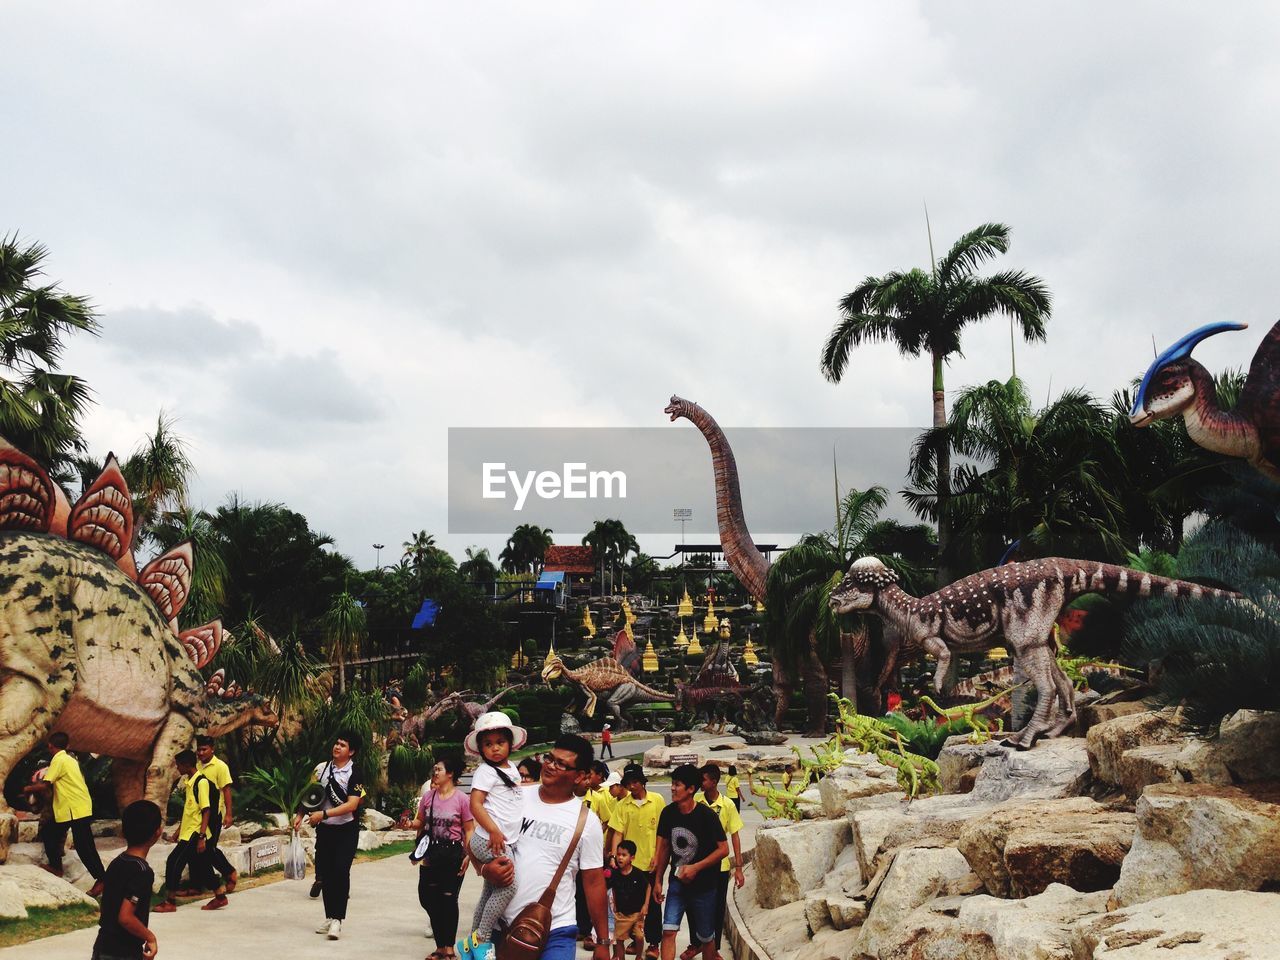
(47, 921)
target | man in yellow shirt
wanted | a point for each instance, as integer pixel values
(731, 822)
(635, 818)
(72, 810)
(219, 775)
(192, 836)
(597, 797)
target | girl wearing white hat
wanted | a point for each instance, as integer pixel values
(495, 805)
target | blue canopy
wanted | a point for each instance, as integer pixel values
(549, 580)
(426, 617)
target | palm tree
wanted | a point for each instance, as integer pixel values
(158, 473)
(208, 595)
(39, 408)
(611, 543)
(344, 630)
(525, 549)
(416, 547)
(925, 312)
(1052, 479)
(478, 568)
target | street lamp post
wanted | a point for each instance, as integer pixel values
(377, 555)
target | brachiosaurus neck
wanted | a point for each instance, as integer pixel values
(1221, 431)
(740, 550)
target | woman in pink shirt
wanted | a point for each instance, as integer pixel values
(444, 828)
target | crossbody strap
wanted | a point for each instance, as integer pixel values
(549, 895)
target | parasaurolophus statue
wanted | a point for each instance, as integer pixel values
(90, 646)
(1016, 604)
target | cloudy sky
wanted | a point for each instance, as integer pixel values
(321, 234)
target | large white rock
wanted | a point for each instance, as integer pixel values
(1200, 925)
(915, 877)
(1195, 836)
(373, 820)
(230, 836)
(879, 830)
(852, 781)
(370, 840)
(11, 904)
(1248, 745)
(1037, 928)
(1052, 768)
(792, 859)
(1108, 742)
(41, 889)
(932, 932)
(28, 831)
(959, 761)
(1022, 847)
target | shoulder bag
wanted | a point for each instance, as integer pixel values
(527, 935)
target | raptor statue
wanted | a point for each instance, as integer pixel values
(468, 710)
(716, 692)
(90, 645)
(606, 679)
(1176, 384)
(751, 566)
(1017, 602)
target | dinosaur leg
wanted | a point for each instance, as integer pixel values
(26, 717)
(1066, 701)
(590, 709)
(620, 696)
(935, 646)
(129, 780)
(175, 736)
(1037, 663)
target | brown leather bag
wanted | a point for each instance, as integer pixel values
(527, 935)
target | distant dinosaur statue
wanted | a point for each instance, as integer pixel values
(1176, 384)
(607, 679)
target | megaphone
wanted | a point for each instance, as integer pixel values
(313, 797)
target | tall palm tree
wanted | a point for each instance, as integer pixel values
(344, 630)
(1050, 479)
(39, 407)
(416, 547)
(478, 568)
(612, 543)
(208, 595)
(158, 473)
(925, 312)
(525, 549)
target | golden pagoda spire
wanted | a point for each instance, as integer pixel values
(649, 662)
(681, 639)
(695, 647)
(749, 654)
(627, 615)
(710, 621)
(587, 623)
(685, 609)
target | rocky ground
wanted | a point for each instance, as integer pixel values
(1132, 841)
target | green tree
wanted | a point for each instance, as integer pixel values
(40, 408)
(344, 630)
(611, 543)
(1049, 478)
(208, 595)
(925, 312)
(525, 549)
(158, 473)
(478, 568)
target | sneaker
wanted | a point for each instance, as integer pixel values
(430, 934)
(217, 903)
(168, 906)
(335, 929)
(483, 951)
(316, 887)
(324, 927)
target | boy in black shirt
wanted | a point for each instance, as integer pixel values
(691, 837)
(127, 885)
(629, 888)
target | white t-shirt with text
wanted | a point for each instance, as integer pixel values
(502, 802)
(545, 832)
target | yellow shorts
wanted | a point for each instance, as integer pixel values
(628, 925)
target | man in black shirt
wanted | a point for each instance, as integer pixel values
(690, 836)
(127, 885)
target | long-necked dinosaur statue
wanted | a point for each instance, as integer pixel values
(1017, 604)
(91, 646)
(1176, 384)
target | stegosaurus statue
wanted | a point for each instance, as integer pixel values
(90, 644)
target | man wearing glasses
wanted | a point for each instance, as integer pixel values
(548, 820)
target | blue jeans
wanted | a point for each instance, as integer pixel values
(699, 905)
(562, 944)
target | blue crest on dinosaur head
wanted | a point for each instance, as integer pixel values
(1179, 351)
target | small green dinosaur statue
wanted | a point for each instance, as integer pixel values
(970, 713)
(873, 735)
(1074, 668)
(781, 803)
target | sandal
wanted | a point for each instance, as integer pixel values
(690, 952)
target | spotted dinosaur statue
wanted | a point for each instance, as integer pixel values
(607, 679)
(1017, 603)
(90, 645)
(1176, 384)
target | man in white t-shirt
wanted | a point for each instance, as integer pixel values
(549, 816)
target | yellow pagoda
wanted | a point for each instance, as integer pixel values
(587, 623)
(649, 662)
(681, 639)
(694, 646)
(759, 607)
(710, 621)
(627, 615)
(685, 609)
(749, 654)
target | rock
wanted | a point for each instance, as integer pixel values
(250, 830)
(230, 836)
(1020, 849)
(569, 723)
(1037, 928)
(11, 905)
(810, 804)
(1092, 714)
(959, 760)
(915, 877)
(664, 758)
(850, 782)
(1053, 768)
(792, 859)
(763, 738)
(1183, 761)
(28, 832)
(932, 932)
(1199, 925)
(8, 834)
(676, 739)
(370, 840)
(1193, 836)
(373, 820)
(880, 829)
(1108, 742)
(41, 889)
(106, 828)
(1248, 745)
(846, 912)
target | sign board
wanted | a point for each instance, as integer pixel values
(679, 758)
(265, 853)
(682, 513)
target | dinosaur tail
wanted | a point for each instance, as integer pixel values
(650, 695)
(1124, 581)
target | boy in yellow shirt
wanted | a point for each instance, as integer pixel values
(193, 837)
(635, 818)
(72, 810)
